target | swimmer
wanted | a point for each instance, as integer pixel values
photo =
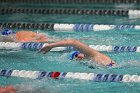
(7, 89)
(24, 36)
(84, 51)
(8, 35)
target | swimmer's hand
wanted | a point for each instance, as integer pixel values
(45, 49)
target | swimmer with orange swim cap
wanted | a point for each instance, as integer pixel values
(22, 36)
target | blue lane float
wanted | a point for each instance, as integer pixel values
(37, 46)
(83, 27)
(32, 46)
(124, 49)
(97, 77)
(123, 27)
(108, 78)
(5, 72)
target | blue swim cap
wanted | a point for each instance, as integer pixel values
(7, 32)
(72, 54)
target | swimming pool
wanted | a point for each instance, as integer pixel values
(58, 61)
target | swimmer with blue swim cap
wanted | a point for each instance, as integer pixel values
(8, 35)
(84, 51)
(79, 56)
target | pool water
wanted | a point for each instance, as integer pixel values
(58, 61)
(129, 62)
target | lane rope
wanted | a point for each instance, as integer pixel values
(68, 11)
(97, 77)
(67, 27)
(37, 46)
(72, 11)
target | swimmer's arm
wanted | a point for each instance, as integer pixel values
(71, 42)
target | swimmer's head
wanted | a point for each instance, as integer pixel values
(7, 32)
(77, 55)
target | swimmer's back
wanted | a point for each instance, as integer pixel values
(20, 35)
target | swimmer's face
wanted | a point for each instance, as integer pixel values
(80, 56)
